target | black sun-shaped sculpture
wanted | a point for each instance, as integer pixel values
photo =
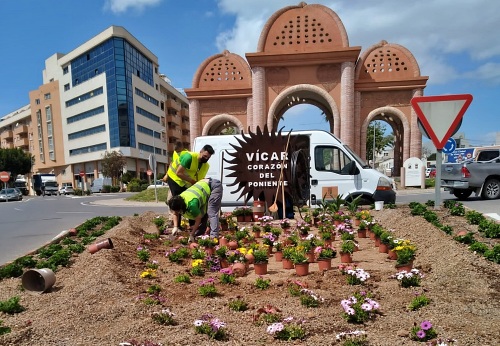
(256, 165)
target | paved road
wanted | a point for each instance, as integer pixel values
(35, 221)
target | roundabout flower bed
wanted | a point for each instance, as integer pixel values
(94, 299)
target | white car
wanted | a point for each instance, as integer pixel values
(427, 172)
(66, 189)
(159, 184)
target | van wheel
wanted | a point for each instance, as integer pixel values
(491, 189)
(462, 195)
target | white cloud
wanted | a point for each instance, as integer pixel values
(489, 72)
(121, 6)
(438, 32)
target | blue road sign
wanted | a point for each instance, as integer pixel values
(450, 146)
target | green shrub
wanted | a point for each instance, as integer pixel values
(418, 209)
(446, 229)
(479, 247)
(493, 254)
(418, 302)
(11, 306)
(3, 330)
(26, 261)
(474, 217)
(238, 305)
(465, 239)
(493, 230)
(12, 270)
(430, 216)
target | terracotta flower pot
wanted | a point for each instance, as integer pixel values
(260, 268)
(345, 257)
(209, 250)
(377, 241)
(287, 264)
(250, 258)
(278, 256)
(408, 266)
(232, 245)
(223, 241)
(103, 244)
(311, 257)
(325, 264)
(302, 269)
(361, 233)
(393, 255)
(383, 248)
(239, 269)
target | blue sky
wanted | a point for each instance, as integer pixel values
(456, 43)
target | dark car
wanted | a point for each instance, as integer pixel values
(10, 194)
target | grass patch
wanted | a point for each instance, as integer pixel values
(148, 195)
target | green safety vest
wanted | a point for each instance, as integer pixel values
(192, 171)
(199, 191)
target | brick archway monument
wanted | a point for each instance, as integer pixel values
(303, 56)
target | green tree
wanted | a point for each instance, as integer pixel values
(113, 164)
(15, 161)
(377, 130)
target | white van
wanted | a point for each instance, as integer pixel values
(317, 166)
(98, 183)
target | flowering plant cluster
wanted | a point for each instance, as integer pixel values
(148, 274)
(212, 263)
(295, 287)
(207, 288)
(278, 245)
(303, 227)
(285, 223)
(268, 238)
(265, 223)
(353, 338)
(151, 299)
(408, 279)
(347, 246)
(405, 251)
(310, 299)
(359, 308)
(164, 317)
(242, 211)
(288, 329)
(238, 255)
(143, 253)
(347, 234)
(423, 332)
(356, 276)
(207, 241)
(260, 254)
(197, 267)
(211, 326)
(325, 252)
(363, 215)
(298, 255)
(340, 216)
(262, 283)
(177, 254)
(227, 276)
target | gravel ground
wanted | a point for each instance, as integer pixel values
(94, 301)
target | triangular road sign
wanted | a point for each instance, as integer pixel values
(440, 115)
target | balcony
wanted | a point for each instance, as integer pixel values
(6, 134)
(22, 142)
(184, 112)
(20, 129)
(174, 133)
(173, 104)
(7, 145)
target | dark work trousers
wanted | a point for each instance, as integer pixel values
(176, 190)
(213, 210)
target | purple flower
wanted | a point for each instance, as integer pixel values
(420, 334)
(426, 325)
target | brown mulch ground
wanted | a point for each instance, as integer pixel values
(94, 301)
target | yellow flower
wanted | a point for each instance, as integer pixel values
(243, 250)
(196, 262)
(148, 273)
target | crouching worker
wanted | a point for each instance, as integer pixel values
(199, 204)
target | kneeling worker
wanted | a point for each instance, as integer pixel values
(199, 203)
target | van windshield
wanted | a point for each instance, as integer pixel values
(356, 157)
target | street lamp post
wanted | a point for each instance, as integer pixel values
(374, 127)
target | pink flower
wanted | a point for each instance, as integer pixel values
(426, 325)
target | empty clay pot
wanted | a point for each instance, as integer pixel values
(103, 244)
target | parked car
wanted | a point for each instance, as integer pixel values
(66, 189)
(10, 194)
(432, 173)
(19, 192)
(159, 183)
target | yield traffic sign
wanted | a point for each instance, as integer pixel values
(441, 115)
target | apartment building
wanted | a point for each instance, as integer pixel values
(105, 95)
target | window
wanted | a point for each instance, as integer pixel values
(46, 96)
(84, 97)
(330, 159)
(66, 87)
(37, 101)
(65, 70)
